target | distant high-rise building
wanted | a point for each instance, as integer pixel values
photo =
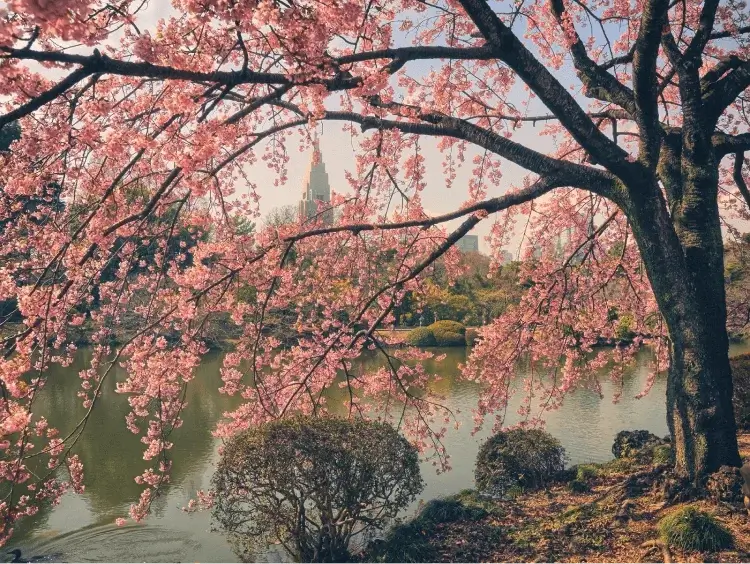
(536, 251)
(506, 256)
(563, 240)
(316, 193)
(468, 244)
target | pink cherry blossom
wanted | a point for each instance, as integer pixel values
(123, 200)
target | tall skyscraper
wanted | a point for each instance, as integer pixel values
(468, 244)
(563, 240)
(316, 193)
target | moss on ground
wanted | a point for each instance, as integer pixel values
(689, 528)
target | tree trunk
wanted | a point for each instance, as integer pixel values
(699, 405)
(684, 263)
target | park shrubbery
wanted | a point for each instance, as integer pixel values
(519, 458)
(414, 540)
(449, 327)
(311, 483)
(448, 338)
(628, 444)
(421, 337)
(449, 333)
(741, 378)
(440, 333)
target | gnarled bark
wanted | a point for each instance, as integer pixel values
(684, 263)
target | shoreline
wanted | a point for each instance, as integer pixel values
(395, 338)
(610, 515)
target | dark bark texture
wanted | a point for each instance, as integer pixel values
(690, 294)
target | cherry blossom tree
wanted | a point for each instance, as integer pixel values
(133, 134)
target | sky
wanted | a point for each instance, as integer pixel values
(339, 156)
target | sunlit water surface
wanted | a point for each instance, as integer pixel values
(81, 528)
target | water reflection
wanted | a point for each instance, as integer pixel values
(81, 528)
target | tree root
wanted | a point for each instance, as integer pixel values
(624, 513)
(635, 485)
(652, 545)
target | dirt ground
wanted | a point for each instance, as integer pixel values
(557, 525)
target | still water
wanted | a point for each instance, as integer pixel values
(81, 528)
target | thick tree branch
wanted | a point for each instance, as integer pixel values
(724, 34)
(725, 144)
(724, 65)
(419, 53)
(598, 82)
(255, 104)
(97, 62)
(705, 26)
(491, 205)
(725, 91)
(620, 60)
(645, 80)
(554, 95)
(44, 98)
(583, 176)
(614, 114)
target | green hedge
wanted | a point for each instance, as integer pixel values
(741, 378)
(440, 333)
(448, 338)
(449, 326)
(421, 337)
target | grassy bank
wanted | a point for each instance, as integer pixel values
(609, 515)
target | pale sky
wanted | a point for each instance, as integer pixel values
(338, 153)
(338, 156)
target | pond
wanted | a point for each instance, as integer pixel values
(81, 528)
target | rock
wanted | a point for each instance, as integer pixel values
(628, 443)
(725, 485)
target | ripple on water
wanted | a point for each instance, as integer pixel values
(110, 543)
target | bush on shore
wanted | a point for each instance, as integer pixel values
(628, 444)
(449, 327)
(519, 458)
(440, 334)
(289, 482)
(421, 337)
(448, 338)
(416, 540)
